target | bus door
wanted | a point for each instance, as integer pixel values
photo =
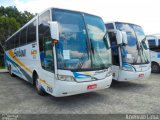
(115, 55)
(46, 51)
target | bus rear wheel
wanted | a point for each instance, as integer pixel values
(10, 70)
(39, 89)
(155, 68)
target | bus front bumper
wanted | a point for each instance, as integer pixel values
(65, 88)
(128, 75)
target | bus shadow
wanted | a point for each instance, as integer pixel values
(127, 85)
(79, 98)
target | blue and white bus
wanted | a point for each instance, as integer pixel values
(154, 45)
(130, 52)
(61, 52)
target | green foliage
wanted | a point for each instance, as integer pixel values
(7, 27)
(10, 21)
(20, 17)
(2, 67)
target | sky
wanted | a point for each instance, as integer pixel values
(141, 12)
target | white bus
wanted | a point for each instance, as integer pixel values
(62, 53)
(130, 52)
(154, 45)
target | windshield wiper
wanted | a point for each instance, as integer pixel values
(104, 66)
(140, 52)
(94, 50)
(105, 41)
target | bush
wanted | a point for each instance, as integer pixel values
(1, 60)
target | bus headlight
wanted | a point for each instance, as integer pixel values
(66, 78)
(127, 68)
(109, 73)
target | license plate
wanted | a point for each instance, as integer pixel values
(141, 75)
(89, 87)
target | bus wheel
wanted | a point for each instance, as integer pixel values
(39, 89)
(155, 68)
(10, 71)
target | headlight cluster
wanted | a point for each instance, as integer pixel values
(127, 68)
(109, 73)
(66, 78)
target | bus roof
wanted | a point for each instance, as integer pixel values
(123, 22)
(154, 35)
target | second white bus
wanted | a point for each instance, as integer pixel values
(154, 45)
(130, 52)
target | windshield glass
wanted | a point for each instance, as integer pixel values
(73, 49)
(142, 44)
(101, 54)
(133, 52)
(158, 43)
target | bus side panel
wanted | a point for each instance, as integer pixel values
(15, 67)
(24, 60)
(155, 57)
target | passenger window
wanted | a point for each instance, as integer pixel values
(31, 33)
(23, 36)
(152, 43)
(12, 43)
(159, 43)
(109, 26)
(7, 45)
(17, 40)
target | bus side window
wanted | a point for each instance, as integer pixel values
(45, 43)
(152, 44)
(110, 26)
(17, 40)
(115, 52)
(23, 37)
(31, 33)
(11, 46)
(158, 45)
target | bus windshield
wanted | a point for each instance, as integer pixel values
(134, 51)
(83, 43)
(101, 55)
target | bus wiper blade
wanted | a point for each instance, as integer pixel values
(104, 66)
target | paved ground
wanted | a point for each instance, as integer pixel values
(3, 70)
(18, 96)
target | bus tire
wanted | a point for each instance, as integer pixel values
(39, 89)
(155, 67)
(10, 71)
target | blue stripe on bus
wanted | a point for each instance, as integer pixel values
(158, 55)
(29, 78)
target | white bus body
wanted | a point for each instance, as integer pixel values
(154, 45)
(130, 52)
(62, 53)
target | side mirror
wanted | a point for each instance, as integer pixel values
(119, 37)
(54, 30)
(124, 36)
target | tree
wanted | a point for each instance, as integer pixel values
(20, 17)
(7, 27)
(10, 21)
(25, 17)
